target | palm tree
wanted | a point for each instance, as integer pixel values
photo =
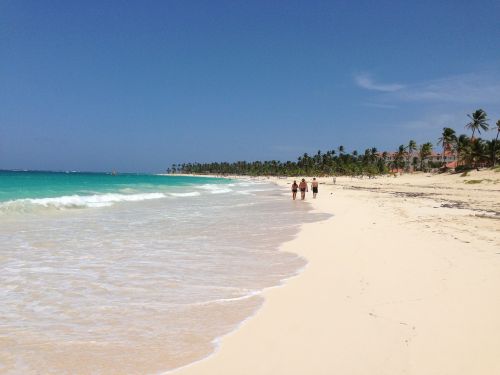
(479, 121)
(495, 144)
(399, 158)
(491, 151)
(424, 152)
(479, 152)
(412, 146)
(447, 140)
(463, 147)
(317, 160)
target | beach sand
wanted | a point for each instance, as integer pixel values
(404, 278)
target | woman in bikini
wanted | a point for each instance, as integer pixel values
(303, 189)
(295, 187)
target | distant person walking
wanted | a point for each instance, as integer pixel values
(314, 187)
(334, 180)
(303, 189)
(295, 187)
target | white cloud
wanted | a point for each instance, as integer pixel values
(471, 89)
(380, 105)
(365, 81)
(435, 121)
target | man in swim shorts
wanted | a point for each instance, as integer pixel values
(295, 187)
(314, 186)
(303, 189)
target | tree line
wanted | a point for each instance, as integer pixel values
(468, 152)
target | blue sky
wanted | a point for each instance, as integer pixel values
(138, 85)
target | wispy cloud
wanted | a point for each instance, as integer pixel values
(466, 88)
(434, 121)
(472, 89)
(380, 105)
(366, 81)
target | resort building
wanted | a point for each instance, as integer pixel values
(412, 161)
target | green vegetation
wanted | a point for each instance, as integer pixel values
(328, 163)
(424, 152)
(479, 121)
(495, 144)
(448, 138)
(467, 152)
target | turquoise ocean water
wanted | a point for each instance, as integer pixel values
(16, 185)
(134, 274)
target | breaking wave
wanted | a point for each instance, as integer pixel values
(90, 199)
(191, 194)
(76, 201)
(215, 189)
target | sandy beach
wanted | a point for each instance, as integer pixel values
(402, 279)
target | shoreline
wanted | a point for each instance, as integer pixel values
(393, 295)
(178, 316)
(217, 342)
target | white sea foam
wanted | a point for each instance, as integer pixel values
(95, 200)
(128, 190)
(78, 201)
(252, 191)
(190, 194)
(216, 189)
(248, 295)
(221, 191)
